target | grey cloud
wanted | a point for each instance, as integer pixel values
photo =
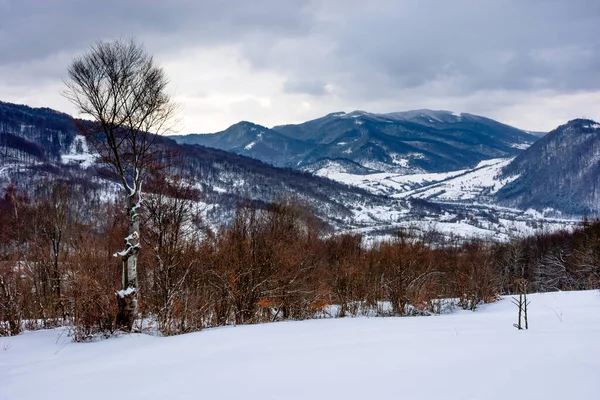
(34, 29)
(381, 48)
(372, 49)
(380, 55)
(312, 87)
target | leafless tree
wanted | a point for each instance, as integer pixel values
(522, 304)
(119, 86)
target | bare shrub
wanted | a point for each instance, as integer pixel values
(93, 308)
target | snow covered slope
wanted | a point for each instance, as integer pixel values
(467, 184)
(464, 198)
(483, 180)
(79, 153)
(561, 171)
(404, 142)
(463, 355)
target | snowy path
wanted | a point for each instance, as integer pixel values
(463, 355)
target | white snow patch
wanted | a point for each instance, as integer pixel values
(521, 146)
(592, 126)
(126, 292)
(534, 213)
(250, 145)
(79, 153)
(463, 184)
(348, 358)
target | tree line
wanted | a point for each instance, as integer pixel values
(271, 264)
(58, 264)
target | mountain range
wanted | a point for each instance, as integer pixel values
(37, 144)
(363, 143)
(559, 171)
(458, 174)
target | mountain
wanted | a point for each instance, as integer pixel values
(38, 146)
(254, 141)
(559, 171)
(40, 133)
(362, 142)
(557, 175)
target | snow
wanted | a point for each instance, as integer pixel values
(250, 145)
(521, 146)
(458, 185)
(463, 195)
(126, 292)
(592, 126)
(79, 153)
(465, 184)
(462, 355)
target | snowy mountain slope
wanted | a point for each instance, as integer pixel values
(467, 184)
(561, 171)
(458, 203)
(79, 152)
(254, 141)
(34, 148)
(461, 355)
(38, 147)
(475, 184)
(449, 221)
(407, 143)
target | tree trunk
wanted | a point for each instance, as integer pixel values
(128, 297)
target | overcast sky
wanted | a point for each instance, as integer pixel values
(531, 63)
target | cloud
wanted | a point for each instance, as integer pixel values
(35, 29)
(312, 87)
(380, 48)
(227, 60)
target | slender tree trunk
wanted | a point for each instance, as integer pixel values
(520, 310)
(525, 310)
(128, 297)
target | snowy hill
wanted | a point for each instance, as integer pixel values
(36, 144)
(561, 171)
(467, 184)
(465, 200)
(403, 142)
(461, 355)
(39, 144)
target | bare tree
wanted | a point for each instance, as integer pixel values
(118, 85)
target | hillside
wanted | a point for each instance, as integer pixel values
(468, 355)
(361, 142)
(40, 144)
(37, 145)
(560, 171)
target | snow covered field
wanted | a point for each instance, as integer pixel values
(467, 184)
(463, 355)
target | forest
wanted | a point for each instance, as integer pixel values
(271, 263)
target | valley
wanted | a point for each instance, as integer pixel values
(373, 198)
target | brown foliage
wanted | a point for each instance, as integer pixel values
(267, 265)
